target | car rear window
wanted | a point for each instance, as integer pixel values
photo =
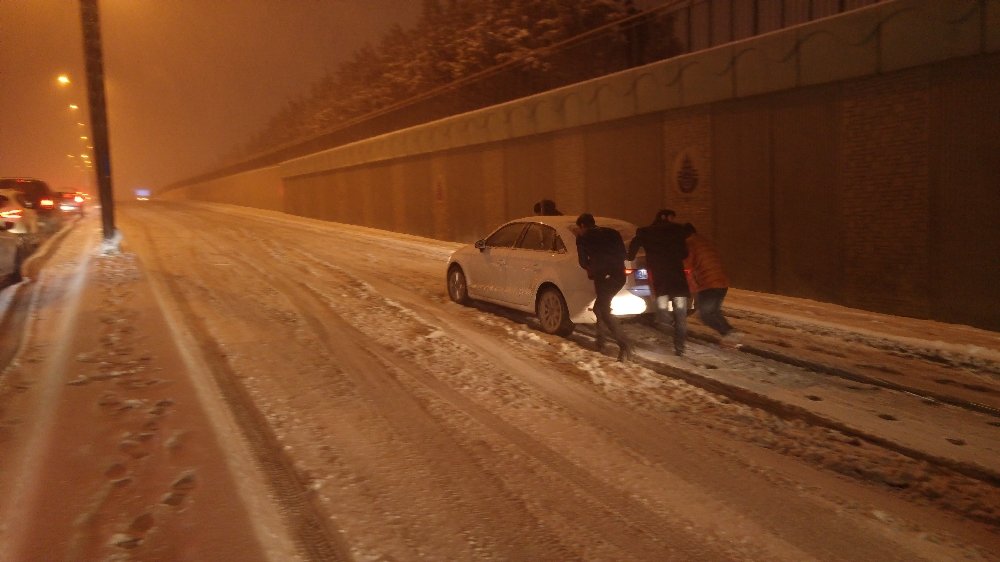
(627, 230)
(33, 188)
(539, 237)
(506, 236)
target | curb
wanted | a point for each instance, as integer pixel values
(788, 411)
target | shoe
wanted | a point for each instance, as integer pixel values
(679, 351)
(625, 352)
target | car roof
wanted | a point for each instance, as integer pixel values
(566, 222)
(20, 183)
(14, 181)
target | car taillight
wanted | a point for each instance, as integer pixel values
(12, 215)
(47, 203)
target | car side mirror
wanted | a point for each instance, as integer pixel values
(480, 245)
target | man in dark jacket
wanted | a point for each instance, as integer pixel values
(665, 253)
(601, 252)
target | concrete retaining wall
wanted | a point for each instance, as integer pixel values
(849, 160)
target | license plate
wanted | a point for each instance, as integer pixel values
(640, 274)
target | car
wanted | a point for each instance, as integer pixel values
(530, 264)
(71, 202)
(39, 197)
(38, 194)
(16, 212)
(10, 256)
(18, 233)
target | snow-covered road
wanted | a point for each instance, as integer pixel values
(422, 429)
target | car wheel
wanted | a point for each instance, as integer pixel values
(552, 313)
(458, 289)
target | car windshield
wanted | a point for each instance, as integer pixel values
(627, 230)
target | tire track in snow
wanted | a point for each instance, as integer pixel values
(311, 530)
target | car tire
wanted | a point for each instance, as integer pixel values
(458, 288)
(552, 313)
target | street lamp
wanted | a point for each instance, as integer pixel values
(74, 107)
(63, 80)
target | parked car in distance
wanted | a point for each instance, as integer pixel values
(531, 264)
(71, 202)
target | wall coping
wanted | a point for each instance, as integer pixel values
(877, 39)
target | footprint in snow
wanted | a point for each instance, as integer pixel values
(184, 484)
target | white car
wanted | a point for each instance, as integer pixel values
(18, 232)
(16, 214)
(10, 266)
(531, 264)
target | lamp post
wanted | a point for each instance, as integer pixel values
(91, 22)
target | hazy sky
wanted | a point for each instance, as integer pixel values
(186, 80)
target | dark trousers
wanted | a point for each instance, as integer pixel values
(677, 318)
(606, 286)
(710, 310)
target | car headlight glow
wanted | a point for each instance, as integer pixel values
(627, 304)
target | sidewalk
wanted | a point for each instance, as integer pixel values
(913, 421)
(110, 445)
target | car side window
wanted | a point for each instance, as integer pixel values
(560, 247)
(539, 237)
(506, 236)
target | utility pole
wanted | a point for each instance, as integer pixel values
(98, 112)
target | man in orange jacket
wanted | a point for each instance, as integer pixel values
(708, 279)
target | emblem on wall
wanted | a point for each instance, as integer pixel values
(685, 173)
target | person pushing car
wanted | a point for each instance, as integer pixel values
(601, 251)
(665, 246)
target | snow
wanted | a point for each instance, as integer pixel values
(418, 428)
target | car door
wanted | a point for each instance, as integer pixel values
(535, 250)
(8, 244)
(487, 275)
